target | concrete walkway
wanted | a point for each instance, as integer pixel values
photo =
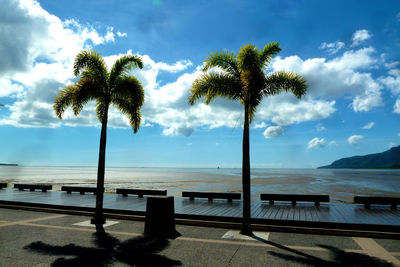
(29, 238)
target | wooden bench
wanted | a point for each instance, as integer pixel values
(3, 185)
(81, 189)
(367, 201)
(141, 192)
(212, 195)
(33, 187)
(295, 198)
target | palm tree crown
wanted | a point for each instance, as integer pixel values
(105, 87)
(242, 77)
(96, 83)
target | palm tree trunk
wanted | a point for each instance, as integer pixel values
(246, 226)
(98, 215)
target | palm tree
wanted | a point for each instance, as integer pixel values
(242, 77)
(105, 87)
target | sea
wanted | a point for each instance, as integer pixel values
(340, 184)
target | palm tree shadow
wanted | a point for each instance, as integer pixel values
(302, 258)
(139, 251)
(340, 258)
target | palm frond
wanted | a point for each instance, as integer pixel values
(253, 104)
(277, 82)
(63, 100)
(134, 116)
(101, 109)
(131, 110)
(122, 66)
(128, 97)
(86, 89)
(212, 85)
(91, 62)
(269, 51)
(91, 74)
(248, 58)
(135, 120)
(130, 89)
(224, 60)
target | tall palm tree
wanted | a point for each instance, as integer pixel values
(105, 87)
(242, 77)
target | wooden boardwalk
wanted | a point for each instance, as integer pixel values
(333, 215)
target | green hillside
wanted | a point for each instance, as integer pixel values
(387, 159)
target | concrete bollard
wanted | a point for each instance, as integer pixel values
(160, 217)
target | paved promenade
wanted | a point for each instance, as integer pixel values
(42, 239)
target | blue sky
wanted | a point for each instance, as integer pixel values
(348, 51)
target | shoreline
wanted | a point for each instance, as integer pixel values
(396, 168)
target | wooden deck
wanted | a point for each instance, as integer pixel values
(334, 215)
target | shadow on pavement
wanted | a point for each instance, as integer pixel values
(139, 251)
(340, 257)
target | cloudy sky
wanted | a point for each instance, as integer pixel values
(348, 51)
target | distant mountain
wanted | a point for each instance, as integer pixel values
(388, 159)
(5, 164)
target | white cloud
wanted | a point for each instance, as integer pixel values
(368, 100)
(354, 59)
(260, 125)
(360, 36)
(177, 67)
(398, 134)
(338, 77)
(89, 32)
(122, 34)
(285, 109)
(332, 143)
(392, 65)
(392, 81)
(8, 88)
(316, 143)
(355, 139)
(273, 132)
(396, 107)
(332, 48)
(172, 131)
(369, 125)
(109, 37)
(320, 127)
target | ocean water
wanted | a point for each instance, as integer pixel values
(341, 185)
